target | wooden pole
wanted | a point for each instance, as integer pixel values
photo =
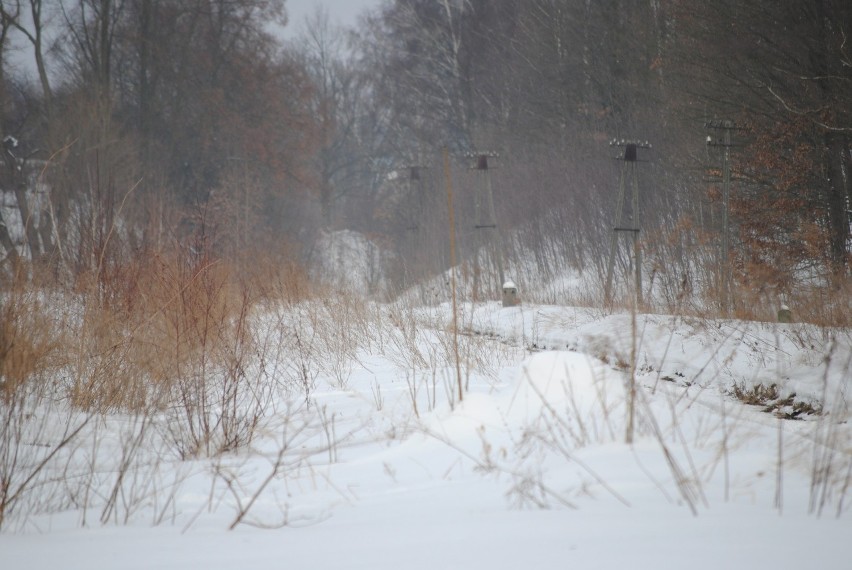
(449, 185)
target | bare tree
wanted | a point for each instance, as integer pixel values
(33, 29)
(6, 24)
(782, 68)
(324, 51)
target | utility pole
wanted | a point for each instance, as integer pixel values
(726, 126)
(415, 188)
(414, 257)
(448, 182)
(485, 221)
(628, 177)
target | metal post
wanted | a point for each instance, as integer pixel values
(627, 177)
(613, 242)
(637, 252)
(726, 194)
(411, 252)
(485, 219)
(726, 127)
(494, 242)
(448, 182)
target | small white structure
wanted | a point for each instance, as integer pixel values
(785, 315)
(510, 294)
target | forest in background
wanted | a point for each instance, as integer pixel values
(187, 132)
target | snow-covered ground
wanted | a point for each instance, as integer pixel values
(386, 468)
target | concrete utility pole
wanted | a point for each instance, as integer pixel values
(448, 182)
(485, 221)
(416, 209)
(415, 188)
(414, 222)
(632, 225)
(726, 127)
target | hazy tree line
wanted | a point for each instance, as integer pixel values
(190, 120)
(549, 82)
(153, 123)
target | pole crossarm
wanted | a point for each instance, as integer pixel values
(723, 124)
(480, 159)
(628, 142)
(631, 148)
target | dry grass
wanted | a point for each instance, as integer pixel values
(771, 400)
(167, 340)
(161, 333)
(29, 340)
(140, 331)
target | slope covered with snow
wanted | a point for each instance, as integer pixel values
(384, 467)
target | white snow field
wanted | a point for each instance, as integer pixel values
(530, 470)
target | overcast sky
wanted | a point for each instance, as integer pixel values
(342, 12)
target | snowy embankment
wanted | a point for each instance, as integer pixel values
(386, 468)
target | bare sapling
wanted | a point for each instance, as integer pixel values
(341, 324)
(378, 398)
(779, 470)
(37, 431)
(452, 225)
(294, 450)
(830, 436)
(36, 435)
(412, 384)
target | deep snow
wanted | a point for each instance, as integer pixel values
(530, 470)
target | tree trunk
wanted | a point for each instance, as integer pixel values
(8, 245)
(836, 201)
(827, 66)
(30, 230)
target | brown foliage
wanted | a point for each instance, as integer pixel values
(779, 208)
(28, 341)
